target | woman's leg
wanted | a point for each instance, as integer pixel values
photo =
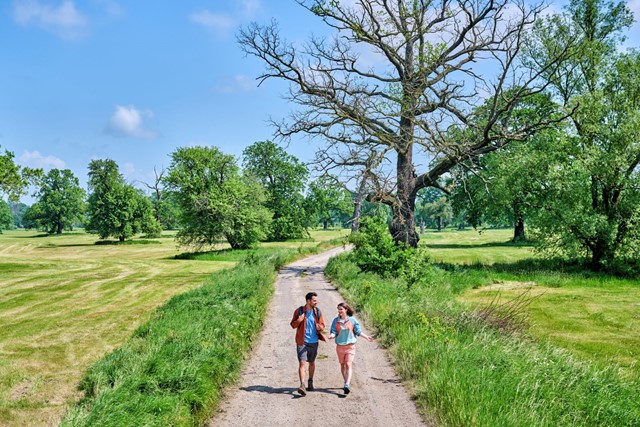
(346, 373)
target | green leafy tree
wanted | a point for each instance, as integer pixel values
(504, 187)
(328, 202)
(6, 220)
(15, 179)
(593, 204)
(216, 201)
(440, 212)
(17, 212)
(425, 80)
(60, 202)
(283, 177)
(116, 208)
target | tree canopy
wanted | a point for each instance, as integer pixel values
(283, 177)
(116, 208)
(60, 202)
(216, 201)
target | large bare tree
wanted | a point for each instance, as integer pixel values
(404, 73)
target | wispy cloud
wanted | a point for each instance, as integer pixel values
(249, 8)
(112, 7)
(223, 24)
(220, 24)
(63, 20)
(36, 160)
(237, 83)
(128, 122)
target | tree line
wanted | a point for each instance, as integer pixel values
(478, 112)
(205, 194)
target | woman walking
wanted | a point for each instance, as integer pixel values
(346, 330)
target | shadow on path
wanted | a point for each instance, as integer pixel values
(290, 390)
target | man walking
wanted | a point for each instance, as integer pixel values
(309, 322)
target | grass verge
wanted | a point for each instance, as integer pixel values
(466, 373)
(173, 369)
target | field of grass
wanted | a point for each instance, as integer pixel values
(65, 302)
(573, 363)
(595, 316)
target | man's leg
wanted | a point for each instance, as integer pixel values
(301, 370)
(312, 369)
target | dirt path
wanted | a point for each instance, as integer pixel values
(266, 394)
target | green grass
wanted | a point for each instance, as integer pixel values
(65, 302)
(576, 364)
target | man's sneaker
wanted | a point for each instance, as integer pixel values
(310, 386)
(346, 389)
(302, 390)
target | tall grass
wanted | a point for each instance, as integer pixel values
(466, 373)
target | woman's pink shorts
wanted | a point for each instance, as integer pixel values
(346, 353)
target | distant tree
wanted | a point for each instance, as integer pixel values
(283, 177)
(60, 202)
(6, 220)
(328, 202)
(216, 201)
(115, 208)
(17, 212)
(424, 200)
(440, 212)
(506, 186)
(164, 205)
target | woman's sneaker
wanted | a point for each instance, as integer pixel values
(310, 386)
(346, 389)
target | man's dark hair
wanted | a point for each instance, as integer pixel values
(310, 295)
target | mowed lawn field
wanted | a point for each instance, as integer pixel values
(594, 316)
(65, 302)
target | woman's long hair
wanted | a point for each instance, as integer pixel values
(346, 307)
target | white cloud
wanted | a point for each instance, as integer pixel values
(218, 23)
(249, 8)
(64, 20)
(112, 7)
(127, 122)
(36, 160)
(237, 83)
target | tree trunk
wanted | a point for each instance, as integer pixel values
(422, 227)
(325, 224)
(402, 226)
(518, 231)
(357, 205)
(439, 222)
(59, 228)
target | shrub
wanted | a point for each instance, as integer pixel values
(375, 250)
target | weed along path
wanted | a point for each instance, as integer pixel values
(266, 392)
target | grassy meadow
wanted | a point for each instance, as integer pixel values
(595, 316)
(65, 302)
(490, 334)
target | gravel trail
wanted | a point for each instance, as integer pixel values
(266, 392)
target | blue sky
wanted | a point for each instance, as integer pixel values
(133, 80)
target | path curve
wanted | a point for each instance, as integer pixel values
(266, 392)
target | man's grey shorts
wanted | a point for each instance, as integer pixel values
(307, 352)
